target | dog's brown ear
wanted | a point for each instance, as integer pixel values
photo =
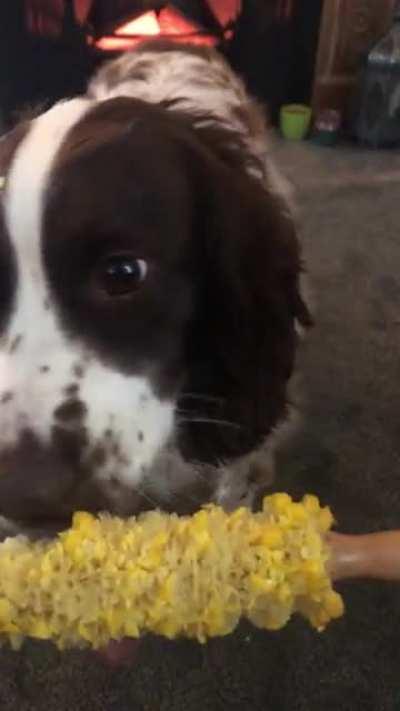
(244, 341)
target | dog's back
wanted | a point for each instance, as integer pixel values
(195, 81)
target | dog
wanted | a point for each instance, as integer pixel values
(150, 294)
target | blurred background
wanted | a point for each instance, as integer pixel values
(48, 48)
(311, 52)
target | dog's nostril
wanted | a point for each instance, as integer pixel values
(70, 410)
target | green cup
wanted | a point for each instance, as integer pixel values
(295, 120)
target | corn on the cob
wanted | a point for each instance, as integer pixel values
(108, 578)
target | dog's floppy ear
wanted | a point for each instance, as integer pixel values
(243, 343)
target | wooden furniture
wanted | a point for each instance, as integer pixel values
(348, 29)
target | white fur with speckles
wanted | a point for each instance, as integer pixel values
(123, 404)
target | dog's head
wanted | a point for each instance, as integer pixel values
(149, 294)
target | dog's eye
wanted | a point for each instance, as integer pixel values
(120, 274)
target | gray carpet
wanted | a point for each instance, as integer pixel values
(348, 454)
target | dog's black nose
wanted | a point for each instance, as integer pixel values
(36, 480)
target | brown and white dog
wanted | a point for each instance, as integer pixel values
(149, 293)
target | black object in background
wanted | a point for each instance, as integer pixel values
(376, 106)
(275, 47)
(38, 70)
(306, 25)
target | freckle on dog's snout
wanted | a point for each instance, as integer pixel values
(15, 343)
(70, 410)
(97, 458)
(115, 449)
(78, 370)
(6, 397)
(71, 390)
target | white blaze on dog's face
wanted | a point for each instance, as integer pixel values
(94, 314)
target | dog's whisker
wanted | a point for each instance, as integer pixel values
(148, 498)
(210, 421)
(197, 500)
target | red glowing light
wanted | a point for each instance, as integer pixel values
(146, 24)
(168, 23)
(172, 23)
(115, 44)
(226, 10)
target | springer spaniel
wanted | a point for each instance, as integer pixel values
(149, 293)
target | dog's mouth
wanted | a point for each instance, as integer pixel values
(47, 508)
(45, 516)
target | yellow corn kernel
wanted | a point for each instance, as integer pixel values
(272, 537)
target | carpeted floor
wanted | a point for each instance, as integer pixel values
(347, 453)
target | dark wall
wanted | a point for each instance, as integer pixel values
(261, 51)
(276, 54)
(306, 25)
(13, 55)
(36, 70)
